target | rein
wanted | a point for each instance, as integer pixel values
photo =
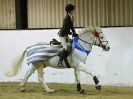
(95, 34)
(78, 46)
(85, 41)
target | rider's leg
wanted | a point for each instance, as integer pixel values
(63, 42)
(64, 53)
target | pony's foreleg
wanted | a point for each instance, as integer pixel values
(27, 75)
(83, 67)
(41, 79)
(77, 78)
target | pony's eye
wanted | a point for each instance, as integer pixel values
(101, 37)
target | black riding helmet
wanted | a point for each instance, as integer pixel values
(69, 7)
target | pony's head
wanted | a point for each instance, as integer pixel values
(98, 37)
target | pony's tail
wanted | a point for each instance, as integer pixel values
(16, 65)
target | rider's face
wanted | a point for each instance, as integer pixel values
(72, 12)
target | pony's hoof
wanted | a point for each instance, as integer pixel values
(22, 90)
(50, 90)
(82, 91)
(98, 87)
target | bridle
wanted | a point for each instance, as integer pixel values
(95, 34)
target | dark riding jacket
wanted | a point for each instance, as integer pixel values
(66, 27)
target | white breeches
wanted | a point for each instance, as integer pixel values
(63, 42)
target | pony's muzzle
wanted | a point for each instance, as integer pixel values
(106, 48)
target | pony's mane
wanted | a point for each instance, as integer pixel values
(90, 29)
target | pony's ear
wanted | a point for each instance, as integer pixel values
(90, 29)
(98, 29)
(83, 31)
(93, 28)
(80, 32)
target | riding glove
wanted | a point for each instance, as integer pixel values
(75, 35)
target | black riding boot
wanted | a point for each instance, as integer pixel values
(62, 55)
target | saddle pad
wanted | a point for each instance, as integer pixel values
(41, 52)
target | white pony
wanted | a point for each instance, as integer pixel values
(87, 38)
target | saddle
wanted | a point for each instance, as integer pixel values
(56, 42)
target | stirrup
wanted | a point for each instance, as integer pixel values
(60, 64)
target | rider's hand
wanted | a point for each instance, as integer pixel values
(70, 33)
(75, 35)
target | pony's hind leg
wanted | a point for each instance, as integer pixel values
(27, 75)
(82, 67)
(40, 67)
